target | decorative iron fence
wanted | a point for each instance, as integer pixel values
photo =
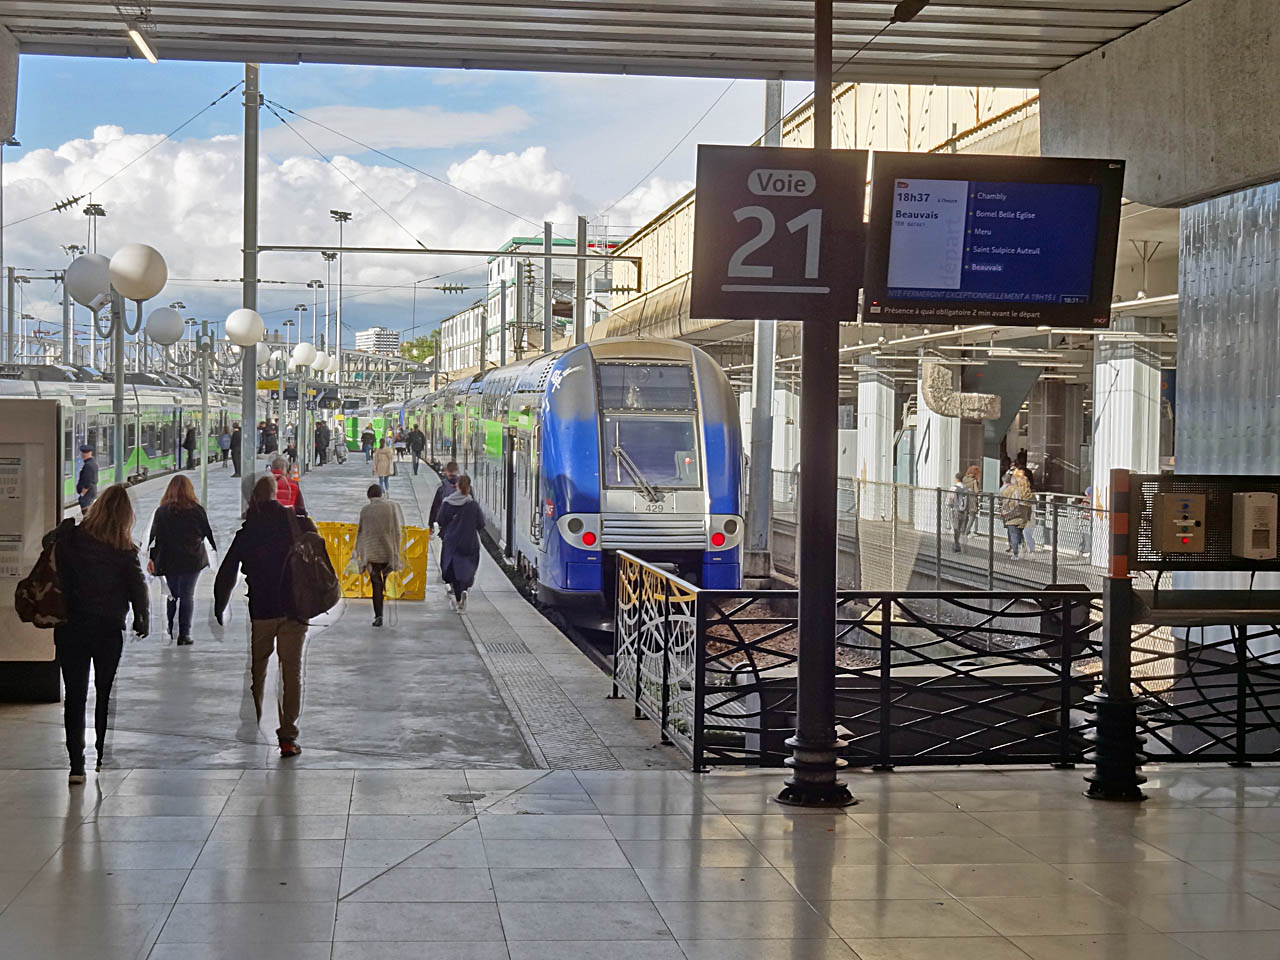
(921, 678)
(896, 537)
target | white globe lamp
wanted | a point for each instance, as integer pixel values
(304, 354)
(333, 364)
(165, 326)
(321, 362)
(88, 280)
(291, 365)
(264, 353)
(244, 327)
(276, 357)
(138, 271)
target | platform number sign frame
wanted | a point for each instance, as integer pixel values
(778, 234)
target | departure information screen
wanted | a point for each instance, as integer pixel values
(1024, 250)
(970, 240)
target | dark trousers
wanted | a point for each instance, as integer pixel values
(191, 459)
(235, 461)
(417, 455)
(78, 646)
(378, 577)
(182, 600)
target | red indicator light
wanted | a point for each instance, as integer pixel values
(717, 539)
(1186, 539)
(588, 539)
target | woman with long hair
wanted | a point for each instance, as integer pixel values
(101, 578)
(178, 531)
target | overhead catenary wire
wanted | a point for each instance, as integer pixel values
(165, 139)
(404, 163)
(297, 133)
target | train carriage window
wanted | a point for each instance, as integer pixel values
(130, 437)
(149, 437)
(69, 452)
(91, 436)
(645, 386)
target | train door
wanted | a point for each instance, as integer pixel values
(508, 490)
(79, 428)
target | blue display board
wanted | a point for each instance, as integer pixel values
(1001, 240)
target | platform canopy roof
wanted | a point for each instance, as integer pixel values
(979, 42)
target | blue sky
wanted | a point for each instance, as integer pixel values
(540, 145)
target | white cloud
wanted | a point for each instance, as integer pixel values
(390, 128)
(648, 200)
(185, 199)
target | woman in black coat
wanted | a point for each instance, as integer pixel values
(178, 531)
(189, 445)
(461, 521)
(101, 578)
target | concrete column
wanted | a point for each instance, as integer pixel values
(1126, 411)
(937, 444)
(874, 462)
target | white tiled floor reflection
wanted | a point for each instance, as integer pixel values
(958, 864)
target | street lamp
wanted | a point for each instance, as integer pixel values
(164, 326)
(342, 217)
(315, 287)
(323, 342)
(137, 272)
(93, 211)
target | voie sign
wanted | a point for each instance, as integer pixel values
(778, 233)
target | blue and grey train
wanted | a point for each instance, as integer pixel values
(622, 444)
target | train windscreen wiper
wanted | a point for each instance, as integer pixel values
(650, 492)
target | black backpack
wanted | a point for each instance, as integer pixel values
(311, 586)
(38, 599)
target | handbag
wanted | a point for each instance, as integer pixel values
(38, 598)
(311, 586)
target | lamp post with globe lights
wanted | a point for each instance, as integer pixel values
(165, 326)
(244, 328)
(137, 272)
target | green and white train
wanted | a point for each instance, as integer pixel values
(155, 422)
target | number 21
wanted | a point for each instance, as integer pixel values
(810, 221)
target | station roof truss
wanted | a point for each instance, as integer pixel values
(967, 42)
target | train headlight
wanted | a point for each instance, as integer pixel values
(725, 532)
(581, 530)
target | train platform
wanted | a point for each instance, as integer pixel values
(499, 687)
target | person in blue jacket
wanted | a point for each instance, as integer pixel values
(87, 483)
(461, 521)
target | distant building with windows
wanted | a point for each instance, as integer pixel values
(379, 340)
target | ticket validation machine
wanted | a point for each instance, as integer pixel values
(30, 506)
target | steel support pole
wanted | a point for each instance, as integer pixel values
(502, 332)
(337, 332)
(11, 328)
(814, 759)
(68, 341)
(249, 285)
(580, 287)
(546, 286)
(520, 308)
(117, 399)
(206, 357)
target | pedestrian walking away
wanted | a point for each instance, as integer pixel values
(461, 521)
(101, 579)
(224, 445)
(87, 482)
(417, 443)
(400, 445)
(288, 491)
(383, 465)
(322, 438)
(261, 548)
(367, 441)
(1015, 512)
(189, 445)
(378, 539)
(964, 504)
(237, 451)
(448, 484)
(179, 529)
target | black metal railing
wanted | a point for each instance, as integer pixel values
(921, 678)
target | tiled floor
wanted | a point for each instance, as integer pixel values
(954, 864)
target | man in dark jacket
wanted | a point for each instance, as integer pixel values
(261, 547)
(417, 443)
(189, 445)
(322, 443)
(237, 451)
(87, 484)
(448, 486)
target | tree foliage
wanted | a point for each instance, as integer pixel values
(421, 349)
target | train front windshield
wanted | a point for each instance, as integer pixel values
(649, 425)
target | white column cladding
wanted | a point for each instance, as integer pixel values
(937, 457)
(1126, 413)
(874, 461)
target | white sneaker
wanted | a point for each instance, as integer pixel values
(453, 601)
(462, 602)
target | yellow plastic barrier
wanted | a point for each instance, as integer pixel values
(408, 583)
